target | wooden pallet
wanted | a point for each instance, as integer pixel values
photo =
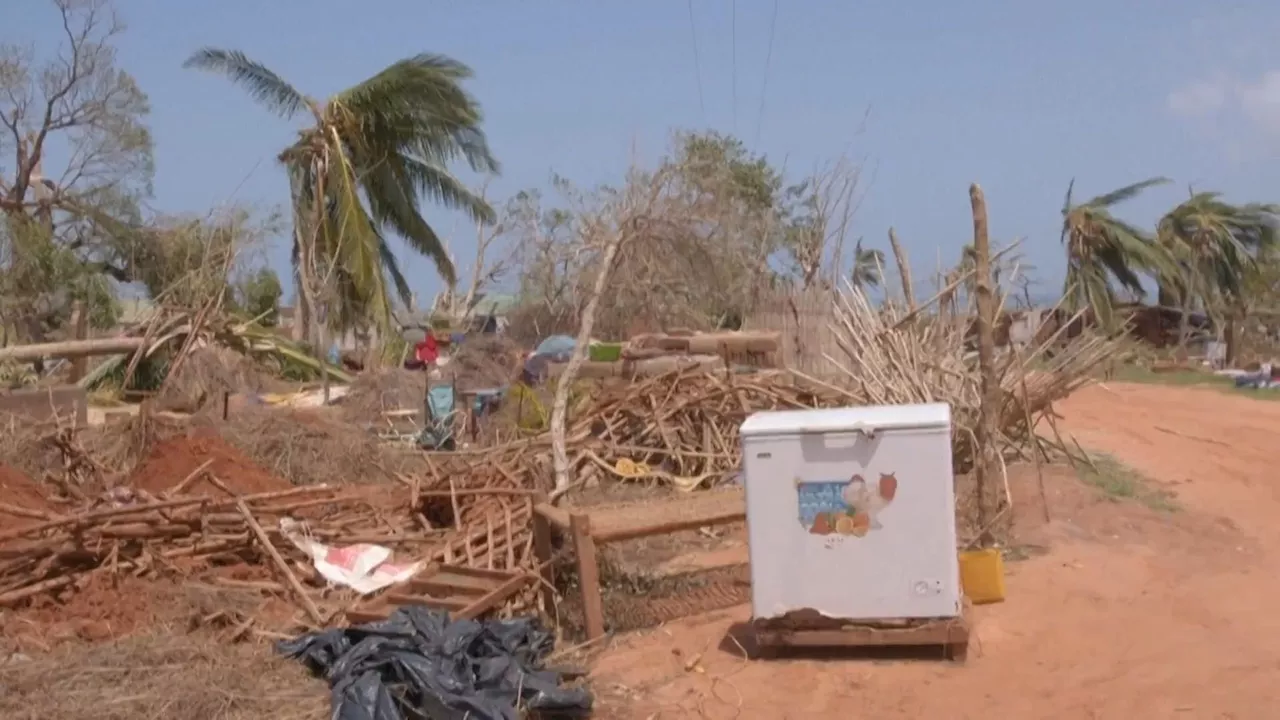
(949, 634)
(464, 592)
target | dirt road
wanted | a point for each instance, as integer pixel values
(1128, 611)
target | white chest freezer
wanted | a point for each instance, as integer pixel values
(851, 512)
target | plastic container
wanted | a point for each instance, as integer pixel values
(982, 576)
(604, 352)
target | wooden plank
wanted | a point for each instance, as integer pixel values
(698, 509)
(555, 515)
(952, 634)
(470, 572)
(544, 550)
(494, 599)
(588, 575)
(437, 588)
(668, 527)
(433, 602)
(366, 615)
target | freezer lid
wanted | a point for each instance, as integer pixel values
(871, 418)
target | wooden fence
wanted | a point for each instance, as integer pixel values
(804, 320)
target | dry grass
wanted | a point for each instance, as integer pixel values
(159, 675)
(308, 447)
(484, 361)
(208, 372)
(378, 391)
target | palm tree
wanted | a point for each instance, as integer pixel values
(1102, 250)
(1216, 246)
(868, 267)
(357, 173)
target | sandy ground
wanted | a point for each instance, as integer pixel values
(1121, 611)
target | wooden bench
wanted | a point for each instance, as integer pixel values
(590, 528)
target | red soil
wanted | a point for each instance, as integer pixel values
(19, 490)
(173, 460)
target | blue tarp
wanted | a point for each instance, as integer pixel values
(556, 345)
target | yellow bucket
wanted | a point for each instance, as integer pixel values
(982, 575)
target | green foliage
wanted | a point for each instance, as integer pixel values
(868, 267)
(259, 296)
(713, 162)
(1215, 245)
(374, 150)
(1102, 250)
(41, 279)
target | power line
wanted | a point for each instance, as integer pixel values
(764, 84)
(697, 64)
(733, 43)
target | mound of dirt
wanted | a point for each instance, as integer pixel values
(482, 362)
(376, 392)
(172, 460)
(20, 491)
(208, 372)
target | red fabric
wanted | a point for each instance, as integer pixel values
(427, 351)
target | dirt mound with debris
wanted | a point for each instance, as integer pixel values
(307, 447)
(376, 392)
(206, 373)
(20, 491)
(484, 362)
(172, 460)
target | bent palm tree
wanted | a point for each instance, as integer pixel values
(1101, 249)
(359, 171)
(868, 266)
(1217, 246)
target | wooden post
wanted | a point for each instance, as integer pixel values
(984, 466)
(80, 326)
(588, 574)
(544, 550)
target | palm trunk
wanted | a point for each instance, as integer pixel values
(1235, 317)
(904, 271)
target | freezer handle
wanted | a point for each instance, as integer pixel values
(857, 428)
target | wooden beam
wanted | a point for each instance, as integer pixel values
(588, 575)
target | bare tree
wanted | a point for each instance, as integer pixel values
(61, 220)
(486, 270)
(80, 100)
(827, 202)
(634, 216)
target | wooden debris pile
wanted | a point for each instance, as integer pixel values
(655, 354)
(680, 427)
(175, 533)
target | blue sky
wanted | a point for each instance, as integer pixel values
(1018, 96)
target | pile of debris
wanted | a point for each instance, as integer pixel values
(202, 522)
(658, 353)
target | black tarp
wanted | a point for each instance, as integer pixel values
(418, 664)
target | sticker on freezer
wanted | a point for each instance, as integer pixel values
(845, 507)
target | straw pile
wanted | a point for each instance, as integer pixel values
(890, 357)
